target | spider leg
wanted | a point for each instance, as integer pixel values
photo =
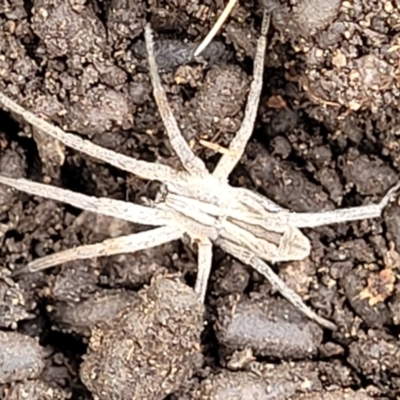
(109, 247)
(140, 168)
(264, 269)
(111, 207)
(311, 220)
(189, 160)
(256, 202)
(204, 267)
(239, 142)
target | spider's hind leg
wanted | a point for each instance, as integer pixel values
(264, 269)
(357, 213)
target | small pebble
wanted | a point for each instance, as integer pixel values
(270, 327)
(21, 357)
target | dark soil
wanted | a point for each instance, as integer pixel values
(326, 137)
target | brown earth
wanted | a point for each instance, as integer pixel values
(326, 137)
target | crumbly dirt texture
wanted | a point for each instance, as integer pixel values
(326, 136)
(155, 350)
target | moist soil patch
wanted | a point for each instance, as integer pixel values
(327, 136)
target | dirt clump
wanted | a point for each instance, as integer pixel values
(150, 349)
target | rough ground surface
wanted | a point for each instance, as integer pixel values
(327, 136)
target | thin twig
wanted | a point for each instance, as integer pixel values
(217, 26)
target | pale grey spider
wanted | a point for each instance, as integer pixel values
(243, 223)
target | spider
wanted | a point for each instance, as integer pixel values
(193, 201)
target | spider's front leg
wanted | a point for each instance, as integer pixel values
(140, 168)
(189, 160)
(113, 208)
(238, 144)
